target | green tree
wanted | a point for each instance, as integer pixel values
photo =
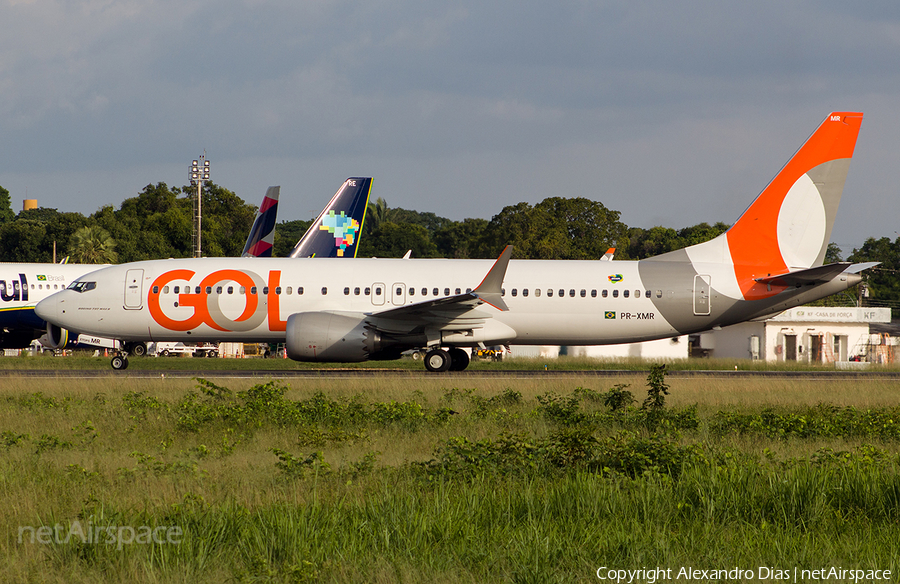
(6, 212)
(393, 240)
(287, 234)
(555, 228)
(457, 239)
(92, 245)
(22, 241)
(883, 281)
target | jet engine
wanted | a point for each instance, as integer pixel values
(56, 337)
(331, 336)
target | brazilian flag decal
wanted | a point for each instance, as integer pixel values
(609, 315)
(42, 278)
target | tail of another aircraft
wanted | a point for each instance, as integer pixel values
(262, 234)
(335, 232)
(788, 227)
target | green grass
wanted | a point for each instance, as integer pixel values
(82, 360)
(424, 480)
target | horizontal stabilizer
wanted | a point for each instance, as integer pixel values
(857, 268)
(818, 275)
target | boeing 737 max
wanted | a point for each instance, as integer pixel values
(353, 310)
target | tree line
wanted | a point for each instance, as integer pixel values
(157, 223)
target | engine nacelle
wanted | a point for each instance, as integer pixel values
(329, 336)
(56, 337)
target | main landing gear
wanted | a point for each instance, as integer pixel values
(439, 360)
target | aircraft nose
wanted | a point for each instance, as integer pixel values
(48, 308)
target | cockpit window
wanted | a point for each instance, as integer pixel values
(80, 286)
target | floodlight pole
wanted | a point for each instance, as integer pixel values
(199, 175)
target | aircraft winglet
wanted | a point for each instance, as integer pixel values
(491, 288)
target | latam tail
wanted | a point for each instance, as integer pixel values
(262, 234)
(336, 231)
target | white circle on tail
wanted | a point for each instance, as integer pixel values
(801, 224)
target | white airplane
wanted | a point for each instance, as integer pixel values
(23, 285)
(771, 259)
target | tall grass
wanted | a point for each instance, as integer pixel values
(360, 481)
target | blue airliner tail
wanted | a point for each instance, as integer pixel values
(335, 232)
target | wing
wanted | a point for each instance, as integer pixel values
(451, 313)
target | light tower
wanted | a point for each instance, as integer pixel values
(199, 175)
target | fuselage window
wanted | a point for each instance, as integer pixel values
(537, 292)
(625, 293)
(525, 292)
(197, 290)
(242, 290)
(265, 290)
(615, 293)
(572, 293)
(356, 291)
(434, 292)
(218, 289)
(514, 292)
(165, 289)
(177, 288)
(288, 290)
(412, 291)
(659, 293)
(230, 290)
(368, 291)
(156, 289)
(209, 289)
(549, 293)
(562, 293)
(458, 291)
(583, 293)
(502, 291)
(593, 293)
(299, 290)
(647, 294)
(424, 291)
(378, 291)
(277, 290)
(324, 290)
(253, 290)
(637, 293)
(346, 291)
(446, 291)
(605, 293)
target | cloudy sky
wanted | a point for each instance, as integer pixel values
(672, 113)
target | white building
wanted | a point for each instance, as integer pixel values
(813, 334)
(674, 348)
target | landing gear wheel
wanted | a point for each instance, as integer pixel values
(139, 350)
(119, 362)
(459, 359)
(437, 361)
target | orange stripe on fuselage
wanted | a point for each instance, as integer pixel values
(753, 240)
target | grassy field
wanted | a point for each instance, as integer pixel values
(82, 360)
(417, 480)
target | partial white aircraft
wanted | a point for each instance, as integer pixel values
(23, 285)
(771, 259)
